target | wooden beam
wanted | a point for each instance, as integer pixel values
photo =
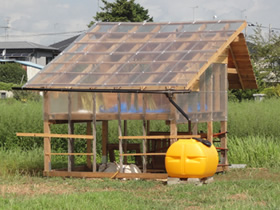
(142, 154)
(94, 132)
(125, 142)
(236, 66)
(144, 128)
(49, 135)
(120, 132)
(173, 122)
(231, 71)
(104, 140)
(160, 137)
(210, 131)
(88, 154)
(106, 175)
(224, 158)
(195, 128)
(89, 146)
(215, 55)
(71, 158)
(47, 130)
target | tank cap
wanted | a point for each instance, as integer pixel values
(203, 141)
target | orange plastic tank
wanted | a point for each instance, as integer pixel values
(189, 158)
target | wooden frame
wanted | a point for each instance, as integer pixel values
(162, 60)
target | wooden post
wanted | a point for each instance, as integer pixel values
(173, 122)
(224, 159)
(71, 158)
(210, 107)
(47, 140)
(210, 131)
(144, 134)
(120, 132)
(89, 146)
(125, 141)
(104, 140)
(94, 132)
(195, 128)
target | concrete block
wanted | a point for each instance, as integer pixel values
(171, 180)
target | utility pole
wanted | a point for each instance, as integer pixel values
(6, 28)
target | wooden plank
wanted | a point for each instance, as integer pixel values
(94, 131)
(47, 130)
(231, 71)
(120, 132)
(89, 146)
(160, 137)
(88, 154)
(106, 175)
(142, 154)
(49, 135)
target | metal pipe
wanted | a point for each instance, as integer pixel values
(105, 90)
(178, 107)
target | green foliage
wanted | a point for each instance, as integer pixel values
(252, 118)
(255, 151)
(24, 96)
(266, 56)
(6, 86)
(272, 91)
(122, 11)
(251, 126)
(12, 73)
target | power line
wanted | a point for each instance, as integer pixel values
(261, 26)
(47, 34)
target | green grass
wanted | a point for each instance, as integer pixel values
(243, 189)
(253, 138)
(250, 118)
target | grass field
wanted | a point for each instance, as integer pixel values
(253, 139)
(238, 189)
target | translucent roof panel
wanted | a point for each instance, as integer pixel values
(137, 55)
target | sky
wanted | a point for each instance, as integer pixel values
(48, 21)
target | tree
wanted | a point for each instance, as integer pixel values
(266, 57)
(122, 11)
(12, 73)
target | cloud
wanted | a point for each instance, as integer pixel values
(48, 16)
(63, 6)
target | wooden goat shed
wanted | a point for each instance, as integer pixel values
(175, 72)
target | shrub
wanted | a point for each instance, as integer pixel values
(12, 73)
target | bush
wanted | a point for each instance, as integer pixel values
(272, 91)
(12, 73)
(6, 86)
(22, 95)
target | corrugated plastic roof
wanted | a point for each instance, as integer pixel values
(138, 55)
